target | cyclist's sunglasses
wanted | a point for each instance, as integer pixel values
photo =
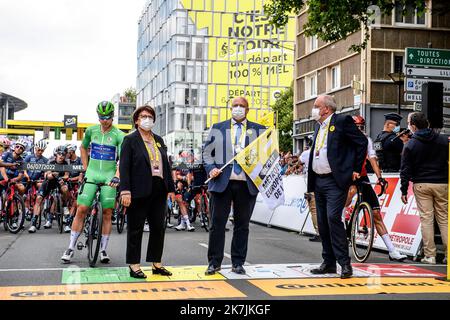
(61, 154)
(20, 147)
(104, 117)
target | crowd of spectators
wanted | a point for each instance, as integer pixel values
(290, 164)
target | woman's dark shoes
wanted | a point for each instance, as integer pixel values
(161, 270)
(137, 274)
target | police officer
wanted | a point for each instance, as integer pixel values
(387, 146)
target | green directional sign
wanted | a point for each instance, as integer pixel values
(428, 57)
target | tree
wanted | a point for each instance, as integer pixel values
(130, 93)
(333, 20)
(283, 107)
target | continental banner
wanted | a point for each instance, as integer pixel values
(260, 160)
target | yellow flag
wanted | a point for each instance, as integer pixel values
(268, 120)
(260, 160)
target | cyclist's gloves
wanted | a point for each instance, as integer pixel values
(115, 180)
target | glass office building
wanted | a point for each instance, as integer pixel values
(194, 56)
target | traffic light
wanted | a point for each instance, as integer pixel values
(432, 103)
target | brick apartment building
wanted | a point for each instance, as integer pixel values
(331, 68)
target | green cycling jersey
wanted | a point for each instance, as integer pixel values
(104, 153)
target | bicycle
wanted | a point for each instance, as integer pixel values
(93, 227)
(203, 211)
(120, 212)
(31, 196)
(73, 193)
(360, 226)
(12, 209)
(53, 201)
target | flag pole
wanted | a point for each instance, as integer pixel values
(221, 169)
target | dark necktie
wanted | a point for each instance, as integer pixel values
(236, 167)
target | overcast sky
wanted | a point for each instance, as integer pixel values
(64, 56)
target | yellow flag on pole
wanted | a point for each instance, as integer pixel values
(260, 160)
(268, 120)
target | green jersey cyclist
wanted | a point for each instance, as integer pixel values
(105, 141)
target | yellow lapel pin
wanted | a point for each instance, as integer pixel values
(332, 128)
(158, 145)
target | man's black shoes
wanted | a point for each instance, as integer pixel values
(238, 269)
(323, 269)
(347, 271)
(211, 270)
(315, 238)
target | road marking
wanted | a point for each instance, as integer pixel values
(121, 275)
(206, 246)
(129, 291)
(352, 286)
(227, 255)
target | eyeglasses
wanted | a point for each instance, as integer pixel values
(146, 117)
(104, 117)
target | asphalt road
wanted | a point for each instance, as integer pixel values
(34, 259)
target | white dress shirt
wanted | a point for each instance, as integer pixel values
(320, 165)
(304, 158)
(240, 176)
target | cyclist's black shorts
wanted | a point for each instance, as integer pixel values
(368, 194)
(47, 187)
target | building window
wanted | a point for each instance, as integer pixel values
(186, 96)
(311, 86)
(312, 43)
(188, 50)
(199, 51)
(410, 17)
(335, 77)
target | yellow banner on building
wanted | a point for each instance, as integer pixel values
(260, 160)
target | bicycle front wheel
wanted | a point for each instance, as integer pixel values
(121, 218)
(204, 214)
(59, 213)
(95, 233)
(16, 220)
(363, 231)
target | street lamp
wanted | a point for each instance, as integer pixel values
(398, 78)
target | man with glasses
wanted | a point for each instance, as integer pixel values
(52, 181)
(105, 141)
(387, 147)
(13, 174)
(230, 187)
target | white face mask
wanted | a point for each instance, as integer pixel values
(315, 114)
(147, 124)
(238, 113)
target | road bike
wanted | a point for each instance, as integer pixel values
(12, 209)
(120, 212)
(203, 208)
(360, 226)
(30, 199)
(52, 208)
(93, 226)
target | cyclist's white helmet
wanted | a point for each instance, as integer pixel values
(21, 142)
(71, 147)
(41, 144)
(58, 149)
(5, 142)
